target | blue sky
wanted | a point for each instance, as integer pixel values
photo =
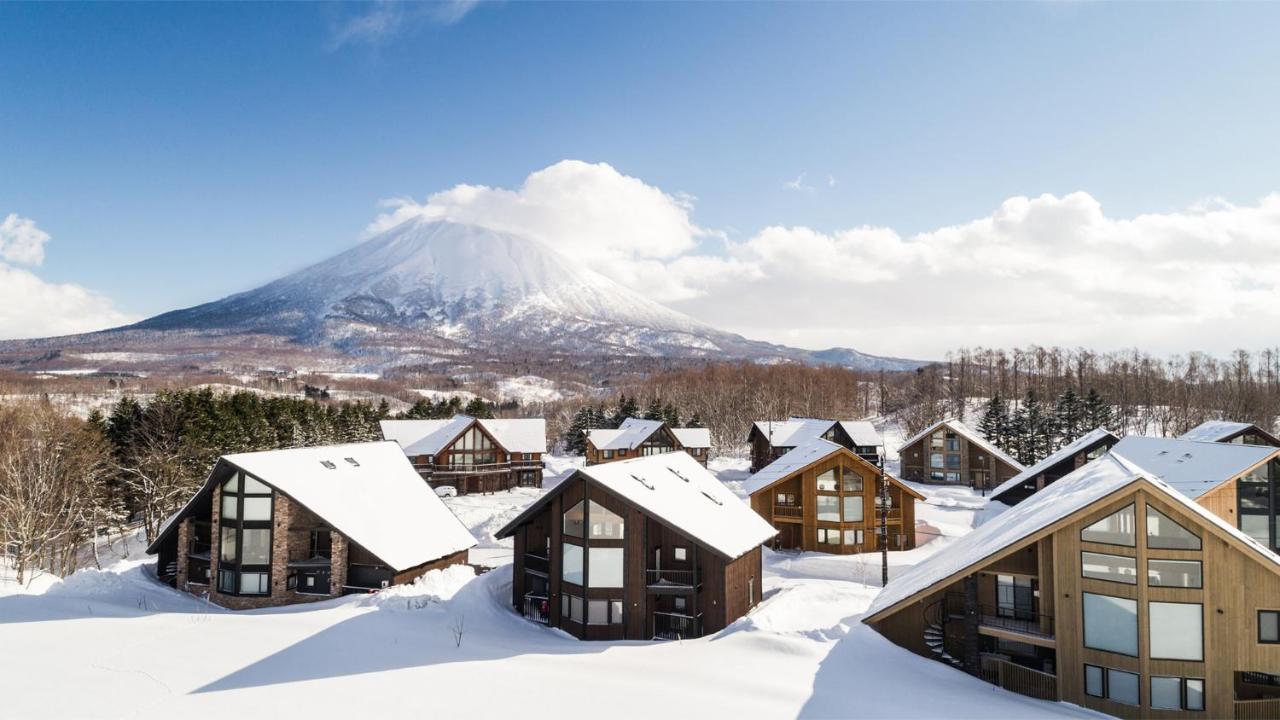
(176, 153)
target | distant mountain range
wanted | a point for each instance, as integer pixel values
(430, 289)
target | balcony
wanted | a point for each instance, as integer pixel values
(788, 512)
(676, 626)
(1003, 622)
(536, 608)
(199, 550)
(537, 563)
(673, 581)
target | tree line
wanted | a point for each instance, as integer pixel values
(1033, 429)
(600, 417)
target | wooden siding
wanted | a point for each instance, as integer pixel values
(973, 459)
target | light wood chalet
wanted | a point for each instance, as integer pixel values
(638, 438)
(771, 439)
(1068, 459)
(473, 455)
(1225, 431)
(648, 548)
(950, 452)
(1109, 589)
(823, 497)
(287, 526)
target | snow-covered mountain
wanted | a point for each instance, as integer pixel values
(434, 288)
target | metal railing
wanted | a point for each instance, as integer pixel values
(536, 608)
(1019, 678)
(790, 511)
(676, 626)
(682, 578)
(537, 563)
(1020, 622)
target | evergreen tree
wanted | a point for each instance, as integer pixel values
(478, 408)
(1069, 417)
(1096, 411)
(1033, 429)
(627, 408)
(994, 423)
(654, 411)
(575, 437)
(671, 415)
(695, 421)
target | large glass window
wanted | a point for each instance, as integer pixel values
(853, 508)
(1114, 529)
(605, 565)
(1015, 597)
(828, 508)
(605, 524)
(1175, 693)
(1174, 573)
(1116, 568)
(827, 481)
(935, 460)
(571, 567)
(852, 482)
(1177, 630)
(1111, 624)
(575, 520)
(597, 612)
(571, 608)
(245, 536)
(256, 546)
(1163, 533)
(1112, 684)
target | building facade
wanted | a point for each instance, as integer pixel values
(640, 438)
(473, 455)
(648, 548)
(771, 439)
(951, 453)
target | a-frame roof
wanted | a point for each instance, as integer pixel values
(967, 433)
(627, 436)
(805, 456)
(1066, 452)
(429, 437)
(1193, 468)
(1223, 430)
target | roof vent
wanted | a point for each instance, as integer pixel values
(1186, 455)
(328, 464)
(712, 499)
(352, 462)
(677, 474)
(642, 481)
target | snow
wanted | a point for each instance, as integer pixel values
(1194, 468)
(969, 434)
(118, 644)
(793, 432)
(627, 436)
(693, 437)
(428, 437)
(1066, 451)
(437, 395)
(798, 458)
(528, 390)
(1215, 430)
(380, 502)
(518, 435)
(863, 433)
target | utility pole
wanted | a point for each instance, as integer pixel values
(884, 520)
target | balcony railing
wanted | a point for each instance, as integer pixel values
(1257, 709)
(788, 511)
(676, 626)
(536, 608)
(1027, 623)
(537, 563)
(672, 578)
(1019, 678)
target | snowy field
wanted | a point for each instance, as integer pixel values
(116, 644)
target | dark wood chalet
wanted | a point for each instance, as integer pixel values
(952, 453)
(473, 455)
(1056, 465)
(823, 497)
(1225, 431)
(639, 438)
(648, 548)
(288, 526)
(1109, 589)
(771, 439)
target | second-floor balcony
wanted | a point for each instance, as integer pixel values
(664, 580)
(676, 626)
(537, 563)
(788, 511)
(1012, 623)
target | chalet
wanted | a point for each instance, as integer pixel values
(952, 453)
(1109, 589)
(1066, 460)
(1236, 482)
(771, 439)
(1224, 431)
(647, 548)
(286, 526)
(638, 438)
(822, 496)
(473, 455)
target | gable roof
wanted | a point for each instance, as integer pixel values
(1064, 453)
(863, 433)
(792, 432)
(1193, 468)
(627, 436)
(799, 458)
(378, 501)
(1056, 503)
(967, 433)
(1220, 430)
(429, 437)
(693, 437)
(676, 490)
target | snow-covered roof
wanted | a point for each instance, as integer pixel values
(793, 432)
(371, 494)
(693, 437)
(967, 433)
(1075, 492)
(428, 437)
(676, 490)
(1064, 453)
(863, 433)
(1218, 430)
(795, 459)
(1192, 467)
(627, 436)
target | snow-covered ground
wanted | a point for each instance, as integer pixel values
(114, 643)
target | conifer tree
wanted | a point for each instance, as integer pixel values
(994, 423)
(627, 408)
(671, 415)
(1097, 412)
(575, 437)
(478, 408)
(695, 421)
(654, 411)
(1068, 413)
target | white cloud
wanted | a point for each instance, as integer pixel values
(384, 19)
(31, 307)
(798, 183)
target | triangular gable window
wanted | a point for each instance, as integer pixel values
(1166, 534)
(1114, 529)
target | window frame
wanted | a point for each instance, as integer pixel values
(1152, 509)
(1151, 634)
(236, 568)
(1110, 580)
(1131, 506)
(1261, 641)
(1137, 630)
(1151, 560)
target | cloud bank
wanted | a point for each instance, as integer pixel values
(31, 307)
(1045, 270)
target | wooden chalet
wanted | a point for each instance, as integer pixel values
(648, 548)
(1109, 589)
(952, 453)
(473, 455)
(639, 438)
(824, 497)
(1064, 461)
(1225, 431)
(771, 439)
(288, 526)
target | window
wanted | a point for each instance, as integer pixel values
(575, 519)
(245, 536)
(680, 603)
(1112, 684)
(935, 460)
(852, 508)
(940, 477)
(1114, 529)
(1095, 683)
(1177, 630)
(321, 544)
(1111, 624)
(254, 583)
(571, 607)
(230, 507)
(1165, 534)
(827, 481)
(953, 462)
(226, 581)
(571, 568)
(597, 612)
(852, 482)
(681, 554)
(1115, 568)
(526, 456)
(953, 443)
(615, 612)
(786, 498)
(605, 524)
(1269, 626)
(953, 477)
(227, 546)
(255, 547)
(853, 537)
(1174, 573)
(828, 508)
(936, 440)
(828, 536)
(1015, 597)
(1174, 693)
(605, 567)
(608, 454)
